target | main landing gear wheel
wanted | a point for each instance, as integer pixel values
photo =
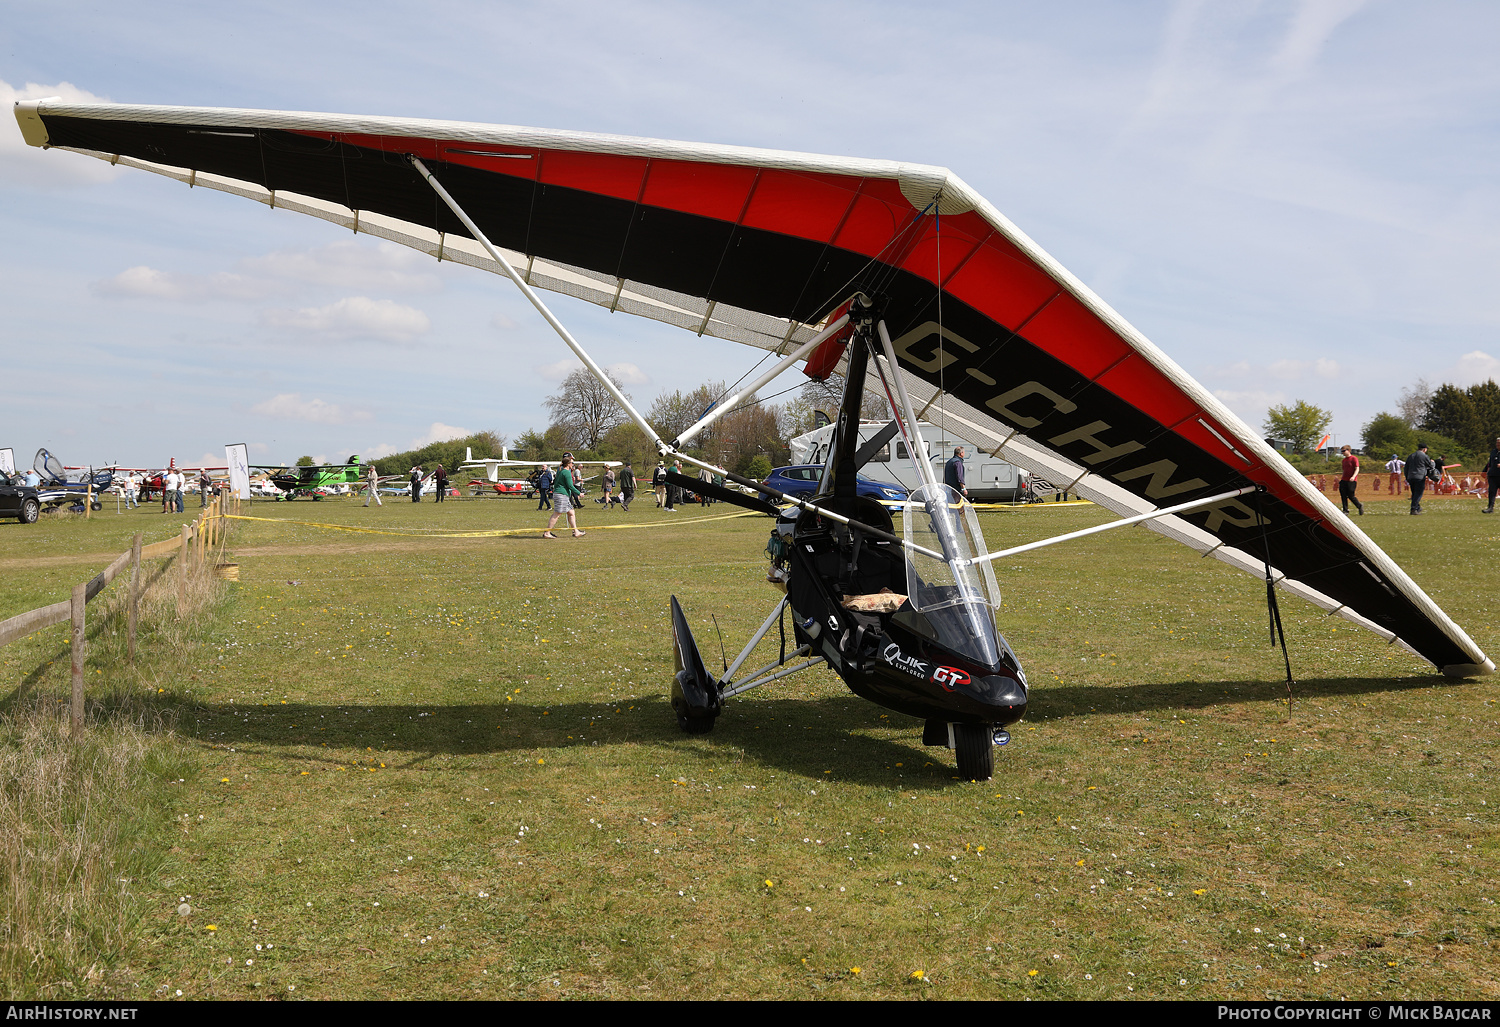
(30, 511)
(974, 745)
(695, 725)
(96, 506)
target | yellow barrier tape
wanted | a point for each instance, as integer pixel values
(496, 533)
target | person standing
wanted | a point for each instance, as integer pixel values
(609, 488)
(564, 500)
(205, 486)
(440, 476)
(659, 484)
(132, 490)
(416, 484)
(703, 475)
(1420, 469)
(1349, 480)
(627, 486)
(372, 481)
(1492, 475)
(954, 473)
(544, 480)
(1395, 465)
(674, 492)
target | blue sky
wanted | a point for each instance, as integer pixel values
(1293, 200)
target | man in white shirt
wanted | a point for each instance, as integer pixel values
(132, 489)
(1395, 465)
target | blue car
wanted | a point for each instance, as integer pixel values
(801, 480)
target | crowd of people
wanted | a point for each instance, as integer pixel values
(1416, 474)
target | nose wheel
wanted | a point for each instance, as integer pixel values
(974, 745)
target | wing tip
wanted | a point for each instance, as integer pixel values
(1469, 670)
(29, 117)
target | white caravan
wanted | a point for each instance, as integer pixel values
(990, 479)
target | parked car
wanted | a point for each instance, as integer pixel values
(19, 500)
(801, 480)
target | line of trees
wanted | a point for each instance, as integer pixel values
(584, 419)
(1460, 424)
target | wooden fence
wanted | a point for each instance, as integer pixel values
(190, 550)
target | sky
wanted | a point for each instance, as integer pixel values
(1294, 200)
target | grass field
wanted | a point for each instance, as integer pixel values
(403, 765)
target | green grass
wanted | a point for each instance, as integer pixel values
(446, 767)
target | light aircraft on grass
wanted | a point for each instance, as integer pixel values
(492, 465)
(898, 274)
(314, 480)
(59, 487)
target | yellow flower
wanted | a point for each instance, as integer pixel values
(854, 969)
(1031, 973)
(304, 773)
(541, 760)
(770, 883)
(980, 849)
(920, 975)
(1079, 863)
(211, 927)
(1200, 891)
(223, 780)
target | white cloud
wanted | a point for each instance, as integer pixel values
(558, 371)
(354, 317)
(439, 432)
(503, 323)
(143, 282)
(32, 166)
(1250, 404)
(292, 407)
(1292, 370)
(383, 267)
(1471, 369)
(628, 374)
(381, 450)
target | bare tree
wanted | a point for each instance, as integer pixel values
(584, 410)
(1413, 402)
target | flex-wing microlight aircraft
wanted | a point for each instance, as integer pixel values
(899, 273)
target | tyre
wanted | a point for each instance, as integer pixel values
(975, 747)
(30, 511)
(696, 725)
(96, 506)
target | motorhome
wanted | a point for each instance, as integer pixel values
(990, 479)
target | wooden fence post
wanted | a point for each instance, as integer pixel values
(132, 606)
(75, 720)
(182, 553)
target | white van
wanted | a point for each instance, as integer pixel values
(990, 479)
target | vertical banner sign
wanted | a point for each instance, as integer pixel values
(8, 460)
(237, 456)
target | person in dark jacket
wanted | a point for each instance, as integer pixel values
(416, 484)
(627, 486)
(542, 479)
(1492, 473)
(1420, 469)
(954, 473)
(442, 482)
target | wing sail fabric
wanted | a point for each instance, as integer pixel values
(995, 338)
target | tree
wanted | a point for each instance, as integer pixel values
(305, 461)
(1388, 433)
(584, 409)
(1451, 411)
(1301, 424)
(1413, 402)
